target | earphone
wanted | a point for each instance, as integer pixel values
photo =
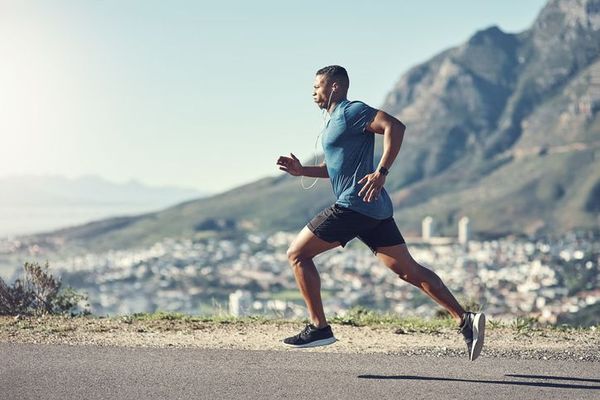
(324, 114)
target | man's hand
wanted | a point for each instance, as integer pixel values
(373, 184)
(290, 165)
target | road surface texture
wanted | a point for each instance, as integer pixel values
(41, 371)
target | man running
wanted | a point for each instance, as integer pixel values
(363, 209)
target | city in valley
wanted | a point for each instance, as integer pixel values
(542, 278)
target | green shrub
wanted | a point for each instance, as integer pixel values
(38, 292)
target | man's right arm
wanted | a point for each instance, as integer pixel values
(315, 171)
(292, 166)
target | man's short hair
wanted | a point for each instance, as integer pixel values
(335, 73)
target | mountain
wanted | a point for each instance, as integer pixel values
(504, 128)
(30, 203)
(88, 189)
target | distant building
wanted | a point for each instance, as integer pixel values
(240, 303)
(427, 228)
(463, 230)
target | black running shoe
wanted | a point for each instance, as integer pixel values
(473, 329)
(311, 337)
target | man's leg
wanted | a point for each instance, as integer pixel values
(472, 325)
(300, 255)
(399, 260)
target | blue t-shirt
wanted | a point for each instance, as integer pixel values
(349, 148)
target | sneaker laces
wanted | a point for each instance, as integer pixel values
(305, 331)
(466, 331)
(463, 323)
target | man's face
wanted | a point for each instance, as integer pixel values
(321, 91)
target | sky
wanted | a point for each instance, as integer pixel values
(199, 94)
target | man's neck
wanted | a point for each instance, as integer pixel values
(334, 104)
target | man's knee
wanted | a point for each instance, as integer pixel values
(424, 277)
(402, 268)
(410, 271)
(405, 273)
(296, 255)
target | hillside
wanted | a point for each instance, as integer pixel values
(504, 128)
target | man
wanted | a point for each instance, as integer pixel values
(363, 209)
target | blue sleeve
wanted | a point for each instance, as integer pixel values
(359, 115)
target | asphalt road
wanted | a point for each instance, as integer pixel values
(30, 371)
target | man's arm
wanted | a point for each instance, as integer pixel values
(315, 171)
(393, 133)
(292, 166)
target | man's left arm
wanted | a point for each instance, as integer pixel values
(393, 133)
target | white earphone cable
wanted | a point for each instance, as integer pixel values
(325, 120)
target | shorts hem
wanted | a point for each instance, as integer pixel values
(374, 249)
(314, 231)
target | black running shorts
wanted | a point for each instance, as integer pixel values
(341, 224)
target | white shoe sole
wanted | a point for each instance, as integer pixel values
(478, 335)
(316, 343)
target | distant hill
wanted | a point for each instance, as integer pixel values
(504, 128)
(30, 203)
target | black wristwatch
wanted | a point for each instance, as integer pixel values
(383, 170)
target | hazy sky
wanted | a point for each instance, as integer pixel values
(202, 94)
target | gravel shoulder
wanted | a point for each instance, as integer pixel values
(543, 343)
